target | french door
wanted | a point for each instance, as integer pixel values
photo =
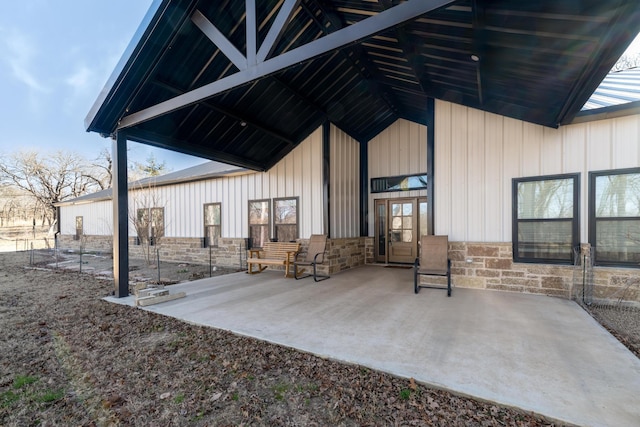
(398, 226)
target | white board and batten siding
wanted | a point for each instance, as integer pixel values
(344, 188)
(299, 174)
(97, 218)
(401, 149)
(477, 154)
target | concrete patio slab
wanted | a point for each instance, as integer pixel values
(536, 353)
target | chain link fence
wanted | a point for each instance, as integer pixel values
(155, 271)
(617, 312)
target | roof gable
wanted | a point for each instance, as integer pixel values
(190, 82)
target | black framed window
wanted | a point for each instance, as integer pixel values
(150, 225)
(546, 225)
(79, 228)
(285, 219)
(156, 231)
(614, 217)
(258, 222)
(212, 223)
(142, 225)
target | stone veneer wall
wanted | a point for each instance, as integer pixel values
(341, 254)
(474, 265)
(491, 266)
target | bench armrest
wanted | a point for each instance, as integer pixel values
(255, 252)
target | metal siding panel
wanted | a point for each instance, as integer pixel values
(510, 168)
(459, 157)
(530, 160)
(344, 185)
(316, 179)
(476, 187)
(443, 161)
(233, 191)
(574, 148)
(493, 191)
(552, 156)
(599, 145)
(309, 205)
(626, 141)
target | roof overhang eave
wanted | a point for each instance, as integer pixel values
(124, 66)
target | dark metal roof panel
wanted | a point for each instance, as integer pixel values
(537, 61)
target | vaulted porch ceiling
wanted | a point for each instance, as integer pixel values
(245, 81)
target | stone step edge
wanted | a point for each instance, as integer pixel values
(151, 300)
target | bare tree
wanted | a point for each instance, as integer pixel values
(102, 170)
(49, 179)
(146, 213)
(627, 61)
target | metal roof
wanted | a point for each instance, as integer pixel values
(245, 81)
(618, 87)
(206, 170)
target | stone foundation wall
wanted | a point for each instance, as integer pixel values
(341, 254)
(103, 244)
(491, 266)
(474, 265)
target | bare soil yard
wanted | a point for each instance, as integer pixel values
(69, 358)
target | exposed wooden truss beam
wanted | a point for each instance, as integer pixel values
(233, 114)
(339, 39)
(277, 29)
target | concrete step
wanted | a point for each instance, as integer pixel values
(147, 292)
(151, 300)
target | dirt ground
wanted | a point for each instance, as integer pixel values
(69, 358)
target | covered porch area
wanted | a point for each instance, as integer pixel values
(533, 352)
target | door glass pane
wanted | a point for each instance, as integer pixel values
(407, 223)
(407, 209)
(396, 209)
(396, 223)
(382, 238)
(407, 236)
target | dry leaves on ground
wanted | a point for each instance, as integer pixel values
(69, 358)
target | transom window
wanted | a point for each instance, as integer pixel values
(614, 217)
(285, 219)
(212, 224)
(545, 218)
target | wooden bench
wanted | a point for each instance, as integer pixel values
(273, 253)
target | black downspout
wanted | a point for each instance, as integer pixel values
(364, 189)
(430, 163)
(120, 216)
(326, 176)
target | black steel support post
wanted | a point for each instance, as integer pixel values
(326, 176)
(120, 217)
(431, 119)
(364, 189)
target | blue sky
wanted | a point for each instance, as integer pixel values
(55, 57)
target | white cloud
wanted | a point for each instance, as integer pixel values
(19, 54)
(81, 79)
